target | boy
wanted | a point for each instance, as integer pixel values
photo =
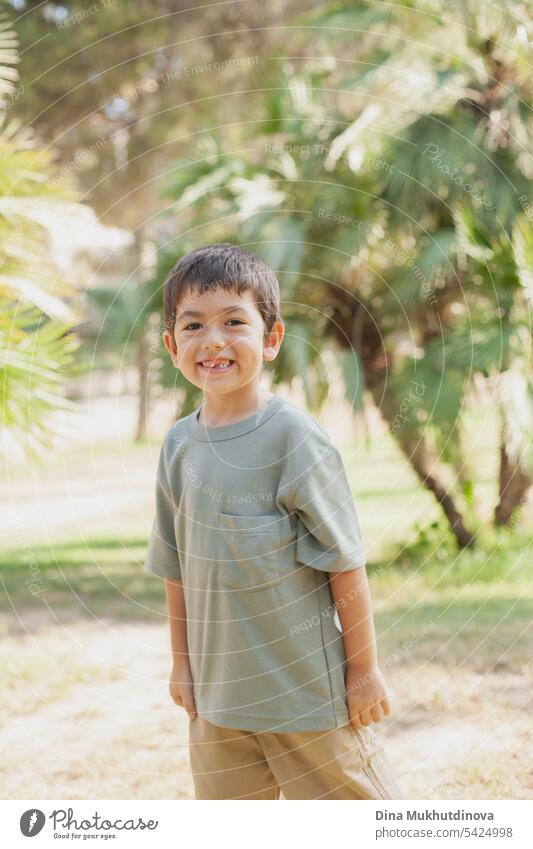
(257, 538)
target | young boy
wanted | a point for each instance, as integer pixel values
(258, 540)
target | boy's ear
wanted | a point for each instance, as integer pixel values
(170, 345)
(273, 341)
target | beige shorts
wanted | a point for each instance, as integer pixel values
(344, 763)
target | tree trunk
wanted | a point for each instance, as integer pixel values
(416, 459)
(514, 485)
(445, 498)
(142, 363)
(367, 340)
(145, 269)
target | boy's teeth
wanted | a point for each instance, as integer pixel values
(211, 364)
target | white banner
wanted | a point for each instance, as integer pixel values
(127, 823)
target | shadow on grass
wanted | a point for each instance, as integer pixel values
(96, 578)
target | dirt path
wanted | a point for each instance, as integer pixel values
(116, 736)
(94, 721)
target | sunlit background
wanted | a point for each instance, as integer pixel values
(379, 156)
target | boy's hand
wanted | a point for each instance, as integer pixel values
(366, 695)
(181, 687)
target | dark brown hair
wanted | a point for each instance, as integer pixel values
(225, 265)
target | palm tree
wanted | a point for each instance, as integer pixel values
(447, 126)
(36, 322)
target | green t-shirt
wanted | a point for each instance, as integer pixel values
(251, 516)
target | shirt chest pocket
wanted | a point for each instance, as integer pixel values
(249, 551)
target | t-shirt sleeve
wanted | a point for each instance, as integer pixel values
(162, 557)
(329, 536)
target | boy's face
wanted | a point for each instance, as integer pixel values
(223, 326)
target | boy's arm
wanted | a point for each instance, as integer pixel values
(181, 684)
(365, 689)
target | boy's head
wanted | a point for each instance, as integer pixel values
(201, 327)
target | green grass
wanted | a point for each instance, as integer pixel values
(105, 576)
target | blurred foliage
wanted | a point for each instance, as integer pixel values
(36, 317)
(377, 155)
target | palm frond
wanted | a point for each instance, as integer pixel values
(523, 253)
(35, 356)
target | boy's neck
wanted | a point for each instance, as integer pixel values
(219, 410)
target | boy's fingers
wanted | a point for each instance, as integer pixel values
(377, 712)
(175, 696)
(366, 717)
(385, 704)
(188, 704)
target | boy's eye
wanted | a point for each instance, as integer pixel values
(197, 323)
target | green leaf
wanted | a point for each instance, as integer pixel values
(472, 236)
(282, 247)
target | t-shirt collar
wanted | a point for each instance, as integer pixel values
(202, 433)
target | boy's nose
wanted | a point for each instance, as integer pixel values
(213, 340)
(212, 345)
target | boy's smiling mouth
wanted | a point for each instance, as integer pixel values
(216, 365)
